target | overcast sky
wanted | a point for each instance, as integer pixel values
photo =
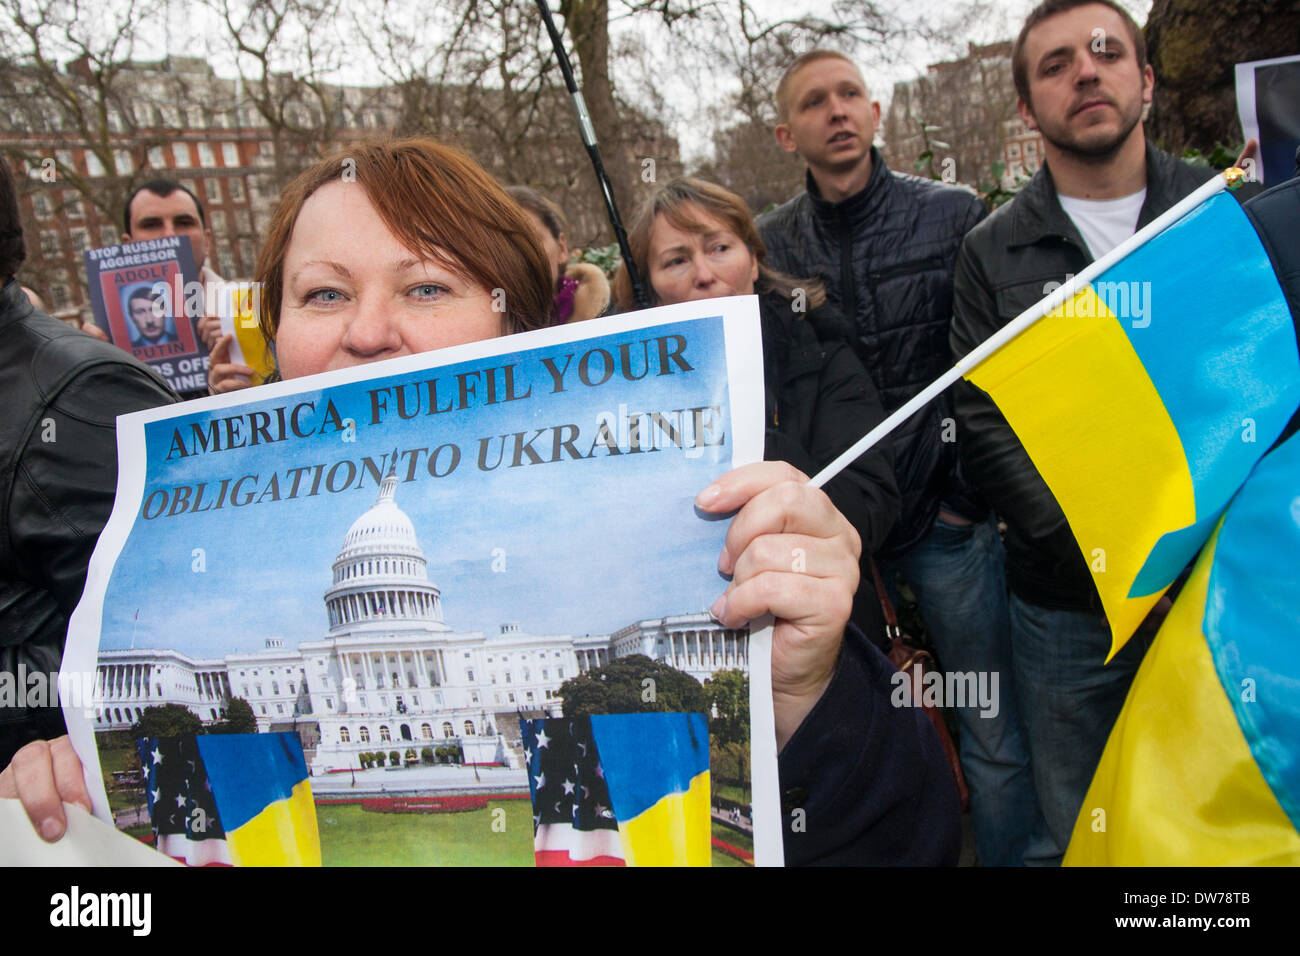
(695, 94)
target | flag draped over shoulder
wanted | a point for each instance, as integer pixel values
(619, 789)
(241, 799)
(1203, 765)
(1146, 399)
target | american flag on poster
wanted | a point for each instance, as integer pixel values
(182, 810)
(573, 819)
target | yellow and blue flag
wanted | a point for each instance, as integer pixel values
(1203, 765)
(1146, 399)
(263, 797)
(657, 769)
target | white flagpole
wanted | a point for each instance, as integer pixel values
(1023, 321)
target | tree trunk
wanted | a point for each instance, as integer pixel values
(1193, 45)
(587, 22)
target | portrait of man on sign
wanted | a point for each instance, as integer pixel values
(149, 320)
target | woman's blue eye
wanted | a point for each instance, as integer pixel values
(428, 290)
(323, 295)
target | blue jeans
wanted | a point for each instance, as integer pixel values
(958, 575)
(1069, 701)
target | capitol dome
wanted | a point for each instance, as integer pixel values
(380, 575)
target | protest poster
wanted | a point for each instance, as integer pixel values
(146, 297)
(413, 579)
(1267, 93)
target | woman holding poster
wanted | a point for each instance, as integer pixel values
(394, 249)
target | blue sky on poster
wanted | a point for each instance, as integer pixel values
(607, 552)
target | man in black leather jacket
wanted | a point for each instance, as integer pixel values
(62, 392)
(1086, 98)
(884, 244)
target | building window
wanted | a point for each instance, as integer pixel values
(384, 734)
(245, 690)
(344, 736)
(469, 728)
(49, 243)
(329, 703)
(230, 154)
(529, 697)
(446, 729)
(259, 690)
(41, 206)
(263, 710)
(181, 154)
(473, 697)
(291, 689)
(213, 189)
(470, 675)
(426, 732)
(275, 687)
(365, 735)
(279, 708)
(559, 672)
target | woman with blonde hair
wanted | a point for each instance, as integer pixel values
(693, 239)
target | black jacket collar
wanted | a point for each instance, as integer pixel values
(14, 304)
(1037, 213)
(861, 205)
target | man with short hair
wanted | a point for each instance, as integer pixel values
(62, 392)
(885, 243)
(1083, 80)
(148, 314)
(163, 207)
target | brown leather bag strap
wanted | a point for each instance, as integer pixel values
(892, 630)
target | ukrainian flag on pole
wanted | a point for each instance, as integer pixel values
(263, 797)
(1146, 399)
(657, 770)
(1203, 765)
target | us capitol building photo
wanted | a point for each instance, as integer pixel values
(390, 673)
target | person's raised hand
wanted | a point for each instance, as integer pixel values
(223, 376)
(94, 331)
(43, 776)
(790, 553)
(210, 330)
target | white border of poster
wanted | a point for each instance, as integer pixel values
(744, 372)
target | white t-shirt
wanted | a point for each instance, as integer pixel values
(1104, 223)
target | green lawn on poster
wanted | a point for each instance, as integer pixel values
(351, 836)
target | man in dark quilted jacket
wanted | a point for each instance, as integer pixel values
(885, 245)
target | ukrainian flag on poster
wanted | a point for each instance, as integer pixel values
(1146, 400)
(1203, 765)
(657, 770)
(263, 796)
